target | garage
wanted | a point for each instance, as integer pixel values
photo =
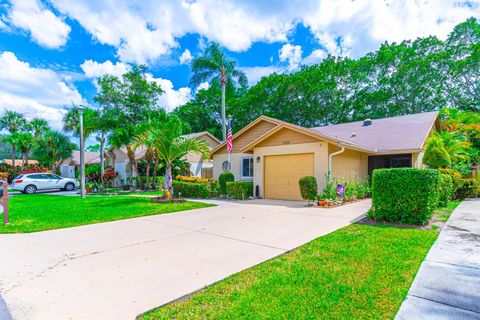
(282, 172)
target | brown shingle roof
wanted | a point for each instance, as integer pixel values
(407, 132)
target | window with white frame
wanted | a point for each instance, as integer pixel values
(247, 167)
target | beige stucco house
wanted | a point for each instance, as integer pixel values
(118, 159)
(70, 165)
(275, 154)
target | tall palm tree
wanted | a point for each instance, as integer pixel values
(216, 67)
(24, 141)
(169, 145)
(13, 122)
(38, 126)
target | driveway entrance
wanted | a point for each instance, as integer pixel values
(117, 270)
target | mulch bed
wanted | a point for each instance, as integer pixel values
(163, 200)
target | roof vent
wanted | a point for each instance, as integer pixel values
(354, 134)
(367, 122)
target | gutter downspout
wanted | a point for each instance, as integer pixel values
(331, 155)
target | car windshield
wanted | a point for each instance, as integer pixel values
(19, 177)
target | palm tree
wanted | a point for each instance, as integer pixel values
(38, 126)
(24, 141)
(13, 122)
(214, 66)
(52, 148)
(166, 139)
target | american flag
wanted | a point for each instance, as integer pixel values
(229, 137)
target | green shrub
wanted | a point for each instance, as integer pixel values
(190, 190)
(308, 187)
(469, 188)
(330, 191)
(406, 195)
(240, 189)
(435, 154)
(446, 190)
(222, 181)
(456, 179)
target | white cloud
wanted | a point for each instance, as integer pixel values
(314, 57)
(186, 57)
(34, 91)
(44, 26)
(291, 54)
(171, 98)
(142, 32)
(94, 69)
(203, 86)
(254, 74)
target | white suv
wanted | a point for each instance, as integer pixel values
(30, 183)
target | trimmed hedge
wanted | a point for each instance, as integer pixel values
(183, 189)
(469, 188)
(240, 189)
(405, 195)
(446, 190)
(456, 179)
(308, 187)
(222, 181)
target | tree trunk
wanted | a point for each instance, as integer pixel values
(102, 156)
(169, 179)
(14, 151)
(147, 175)
(133, 163)
(224, 118)
(155, 171)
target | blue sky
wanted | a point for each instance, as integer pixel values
(52, 52)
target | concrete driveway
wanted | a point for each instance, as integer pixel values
(117, 270)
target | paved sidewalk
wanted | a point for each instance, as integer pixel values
(117, 270)
(447, 286)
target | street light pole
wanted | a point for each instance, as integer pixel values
(82, 153)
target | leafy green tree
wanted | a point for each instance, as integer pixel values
(13, 122)
(52, 148)
(435, 154)
(203, 112)
(217, 68)
(127, 102)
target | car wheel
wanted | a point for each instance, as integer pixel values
(69, 187)
(30, 189)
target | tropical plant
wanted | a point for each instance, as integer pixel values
(165, 137)
(435, 154)
(13, 122)
(217, 68)
(52, 148)
(38, 126)
(24, 141)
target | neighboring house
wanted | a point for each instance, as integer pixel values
(70, 165)
(18, 162)
(198, 165)
(275, 154)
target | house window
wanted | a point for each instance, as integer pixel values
(247, 168)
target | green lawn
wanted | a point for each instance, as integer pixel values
(30, 213)
(358, 272)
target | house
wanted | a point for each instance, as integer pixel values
(275, 154)
(70, 165)
(198, 165)
(18, 162)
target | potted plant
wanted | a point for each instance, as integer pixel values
(89, 187)
(321, 200)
